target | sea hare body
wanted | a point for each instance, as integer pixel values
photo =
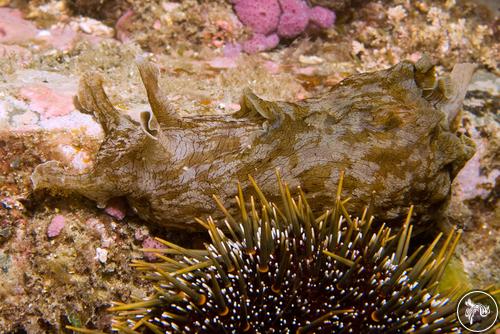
(388, 130)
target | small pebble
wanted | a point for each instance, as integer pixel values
(15, 163)
(101, 255)
(116, 208)
(56, 225)
(308, 71)
(311, 60)
(233, 106)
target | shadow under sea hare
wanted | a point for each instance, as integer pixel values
(391, 131)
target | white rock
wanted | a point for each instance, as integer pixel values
(396, 13)
(311, 60)
(94, 27)
(101, 255)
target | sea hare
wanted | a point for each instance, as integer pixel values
(390, 131)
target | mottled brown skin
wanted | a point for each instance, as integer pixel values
(388, 130)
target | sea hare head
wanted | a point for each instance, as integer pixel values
(390, 131)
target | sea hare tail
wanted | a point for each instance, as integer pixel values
(53, 177)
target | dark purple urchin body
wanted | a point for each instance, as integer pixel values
(283, 270)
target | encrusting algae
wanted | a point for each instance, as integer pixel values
(391, 131)
(279, 268)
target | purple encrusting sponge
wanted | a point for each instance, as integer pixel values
(271, 20)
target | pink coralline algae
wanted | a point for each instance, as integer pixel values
(260, 42)
(56, 225)
(46, 101)
(14, 29)
(271, 20)
(151, 243)
(116, 208)
(260, 15)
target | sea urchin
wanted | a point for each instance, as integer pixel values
(280, 269)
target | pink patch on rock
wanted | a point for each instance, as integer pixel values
(259, 43)
(308, 71)
(151, 243)
(157, 25)
(141, 233)
(272, 67)
(62, 38)
(14, 29)
(222, 62)
(46, 101)
(56, 225)
(414, 57)
(116, 208)
(170, 6)
(260, 15)
(234, 106)
(232, 50)
(472, 182)
(301, 96)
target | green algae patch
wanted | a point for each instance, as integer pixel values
(454, 277)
